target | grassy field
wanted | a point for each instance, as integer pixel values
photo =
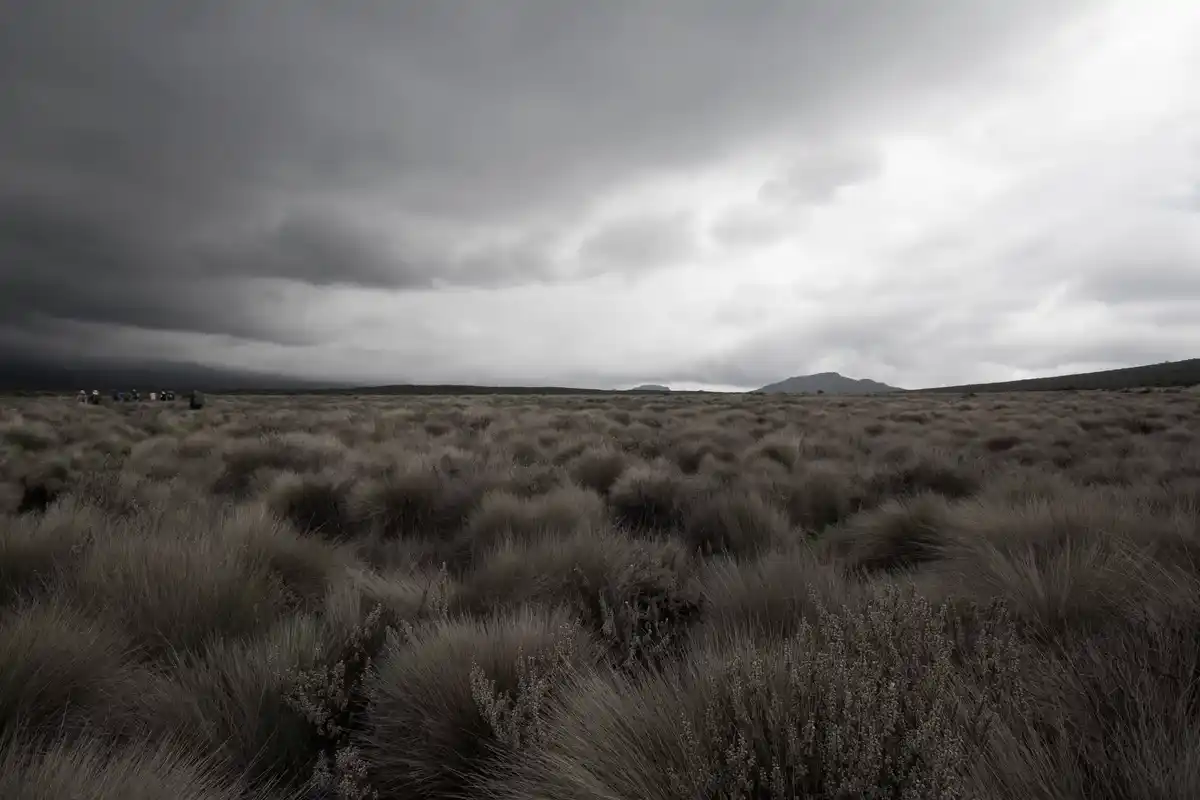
(914, 596)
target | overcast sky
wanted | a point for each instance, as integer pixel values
(704, 193)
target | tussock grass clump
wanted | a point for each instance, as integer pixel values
(246, 459)
(1044, 523)
(913, 471)
(768, 597)
(864, 703)
(817, 495)
(232, 702)
(784, 450)
(95, 770)
(178, 588)
(42, 482)
(741, 524)
(1133, 691)
(36, 552)
(599, 468)
(650, 497)
(636, 596)
(315, 504)
(60, 671)
(33, 436)
(900, 534)
(501, 514)
(304, 568)
(1113, 710)
(1078, 586)
(409, 597)
(422, 498)
(426, 733)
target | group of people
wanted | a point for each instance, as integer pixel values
(196, 399)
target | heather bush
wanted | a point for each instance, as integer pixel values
(637, 597)
(864, 703)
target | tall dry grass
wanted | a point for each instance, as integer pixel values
(602, 597)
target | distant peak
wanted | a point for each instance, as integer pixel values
(827, 383)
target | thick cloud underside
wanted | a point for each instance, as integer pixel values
(692, 192)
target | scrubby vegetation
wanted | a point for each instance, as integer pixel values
(913, 596)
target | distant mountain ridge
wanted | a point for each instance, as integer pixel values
(826, 383)
(651, 387)
(1164, 374)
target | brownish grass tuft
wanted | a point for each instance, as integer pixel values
(426, 734)
(96, 771)
(316, 504)
(651, 497)
(740, 524)
(59, 671)
(900, 534)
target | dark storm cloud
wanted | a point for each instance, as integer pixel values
(154, 155)
(75, 266)
(318, 250)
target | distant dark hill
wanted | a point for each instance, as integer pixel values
(651, 387)
(827, 383)
(1168, 373)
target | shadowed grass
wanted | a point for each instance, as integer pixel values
(95, 771)
(60, 671)
(863, 703)
(425, 735)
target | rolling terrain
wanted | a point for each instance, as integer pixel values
(506, 597)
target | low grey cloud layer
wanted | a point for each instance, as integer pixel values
(816, 177)
(635, 242)
(462, 191)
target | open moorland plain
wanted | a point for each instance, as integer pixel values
(577, 597)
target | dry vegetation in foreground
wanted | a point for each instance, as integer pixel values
(602, 597)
